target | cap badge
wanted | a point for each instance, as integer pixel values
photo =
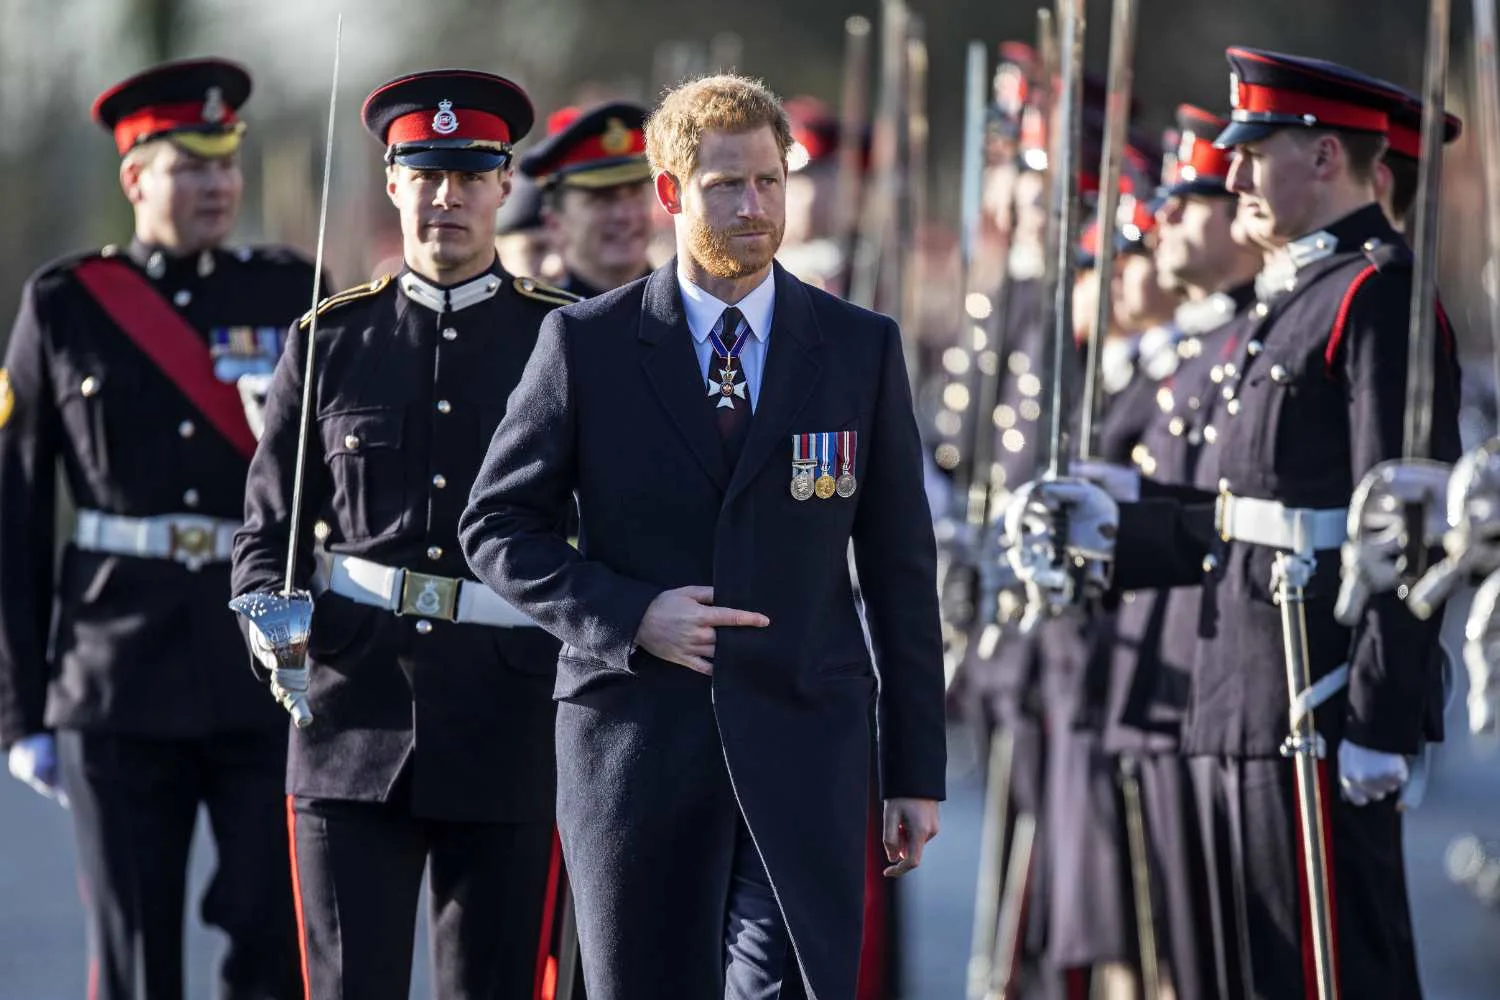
(445, 122)
(213, 106)
(1234, 90)
(616, 138)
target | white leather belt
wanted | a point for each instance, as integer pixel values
(190, 539)
(1273, 524)
(407, 592)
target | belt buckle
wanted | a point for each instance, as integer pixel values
(1221, 515)
(429, 596)
(191, 543)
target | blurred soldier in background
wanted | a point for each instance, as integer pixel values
(521, 236)
(596, 194)
(122, 366)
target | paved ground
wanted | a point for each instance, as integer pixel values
(42, 946)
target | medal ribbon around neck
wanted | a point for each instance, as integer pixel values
(729, 384)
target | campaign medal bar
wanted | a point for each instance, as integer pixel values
(802, 467)
(826, 486)
(846, 481)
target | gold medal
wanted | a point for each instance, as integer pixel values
(825, 487)
(845, 486)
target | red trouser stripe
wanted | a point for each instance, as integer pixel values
(874, 953)
(291, 830)
(1309, 962)
(546, 985)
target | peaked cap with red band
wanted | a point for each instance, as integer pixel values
(1405, 135)
(192, 102)
(449, 119)
(599, 147)
(1196, 166)
(1270, 91)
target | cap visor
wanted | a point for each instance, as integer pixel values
(1239, 133)
(469, 161)
(613, 175)
(1203, 187)
(209, 145)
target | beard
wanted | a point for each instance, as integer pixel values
(716, 252)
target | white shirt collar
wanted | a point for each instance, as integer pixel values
(703, 310)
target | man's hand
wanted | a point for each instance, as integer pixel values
(1370, 775)
(909, 825)
(679, 627)
(33, 759)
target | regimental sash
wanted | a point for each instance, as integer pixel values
(170, 342)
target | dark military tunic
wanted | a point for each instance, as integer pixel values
(1155, 639)
(431, 746)
(132, 645)
(407, 399)
(134, 659)
(1306, 413)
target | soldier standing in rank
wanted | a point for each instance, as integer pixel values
(596, 194)
(123, 683)
(1312, 396)
(1198, 258)
(431, 745)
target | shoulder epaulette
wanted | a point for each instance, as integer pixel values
(1382, 254)
(543, 292)
(348, 295)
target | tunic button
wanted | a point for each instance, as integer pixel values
(1230, 370)
(449, 333)
(443, 406)
(1227, 392)
(1260, 309)
(182, 298)
(440, 481)
(1279, 375)
(1233, 407)
(1216, 374)
(1210, 434)
(1176, 426)
(434, 552)
(1210, 563)
(1254, 348)
(1223, 486)
(89, 386)
(190, 498)
(424, 627)
(186, 429)
(351, 441)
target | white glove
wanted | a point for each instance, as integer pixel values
(33, 759)
(1370, 775)
(288, 686)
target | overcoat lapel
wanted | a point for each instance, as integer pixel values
(793, 367)
(671, 367)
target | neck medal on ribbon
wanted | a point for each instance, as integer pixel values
(730, 385)
(825, 486)
(802, 467)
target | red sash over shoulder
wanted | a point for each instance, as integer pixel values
(170, 342)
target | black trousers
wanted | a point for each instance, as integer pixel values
(134, 804)
(358, 872)
(1248, 820)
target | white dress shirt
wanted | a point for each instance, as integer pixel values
(703, 314)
